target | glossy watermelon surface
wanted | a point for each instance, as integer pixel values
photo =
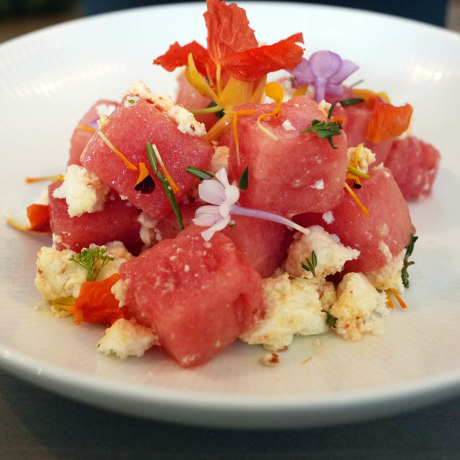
(82, 135)
(129, 129)
(197, 295)
(387, 226)
(116, 222)
(293, 172)
(414, 165)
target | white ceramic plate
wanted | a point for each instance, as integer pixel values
(49, 78)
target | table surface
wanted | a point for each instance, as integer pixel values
(37, 424)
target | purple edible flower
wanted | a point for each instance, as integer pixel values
(324, 70)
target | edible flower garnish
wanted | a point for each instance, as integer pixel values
(326, 71)
(223, 198)
(232, 69)
(92, 260)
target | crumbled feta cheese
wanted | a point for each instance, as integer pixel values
(328, 217)
(324, 107)
(59, 278)
(287, 125)
(149, 233)
(364, 158)
(389, 276)
(127, 338)
(82, 190)
(269, 359)
(318, 185)
(359, 309)
(186, 121)
(293, 307)
(220, 159)
(330, 254)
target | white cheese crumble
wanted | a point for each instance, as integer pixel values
(127, 338)
(328, 217)
(293, 307)
(364, 157)
(149, 233)
(287, 125)
(389, 276)
(318, 185)
(324, 107)
(360, 308)
(59, 278)
(186, 121)
(82, 190)
(330, 254)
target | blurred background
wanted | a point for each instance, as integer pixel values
(18, 17)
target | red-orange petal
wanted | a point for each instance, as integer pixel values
(387, 121)
(252, 64)
(96, 303)
(39, 217)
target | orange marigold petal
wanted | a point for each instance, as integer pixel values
(387, 121)
(96, 303)
(252, 64)
(39, 217)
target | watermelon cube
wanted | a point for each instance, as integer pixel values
(82, 133)
(198, 296)
(129, 129)
(294, 172)
(414, 165)
(379, 236)
(116, 222)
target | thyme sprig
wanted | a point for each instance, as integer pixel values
(406, 262)
(92, 260)
(310, 264)
(152, 153)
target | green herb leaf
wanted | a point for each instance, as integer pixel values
(331, 109)
(244, 178)
(310, 265)
(351, 101)
(406, 262)
(164, 182)
(219, 109)
(92, 260)
(199, 173)
(331, 320)
(324, 130)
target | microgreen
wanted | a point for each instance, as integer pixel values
(92, 260)
(152, 151)
(407, 263)
(331, 320)
(199, 173)
(324, 130)
(351, 101)
(244, 178)
(310, 264)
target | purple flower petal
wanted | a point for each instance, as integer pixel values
(302, 74)
(325, 63)
(345, 71)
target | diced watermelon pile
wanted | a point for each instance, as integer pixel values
(414, 165)
(388, 224)
(85, 130)
(198, 296)
(297, 172)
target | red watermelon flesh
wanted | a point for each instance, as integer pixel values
(262, 244)
(414, 165)
(198, 296)
(81, 136)
(355, 125)
(129, 129)
(116, 222)
(388, 222)
(298, 172)
(189, 97)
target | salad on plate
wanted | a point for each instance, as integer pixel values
(254, 206)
